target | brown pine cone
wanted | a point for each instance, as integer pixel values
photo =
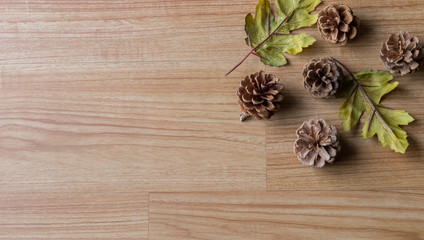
(260, 95)
(322, 77)
(402, 53)
(317, 143)
(337, 23)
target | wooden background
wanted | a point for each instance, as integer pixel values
(116, 121)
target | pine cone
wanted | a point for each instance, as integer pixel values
(322, 77)
(337, 23)
(402, 53)
(260, 95)
(317, 143)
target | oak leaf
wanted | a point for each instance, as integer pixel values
(272, 32)
(364, 92)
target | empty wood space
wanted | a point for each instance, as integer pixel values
(116, 122)
(74, 215)
(287, 215)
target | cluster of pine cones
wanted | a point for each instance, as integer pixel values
(402, 53)
(260, 95)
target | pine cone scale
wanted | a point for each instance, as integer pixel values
(248, 89)
(240, 92)
(353, 32)
(271, 92)
(278, 98)
(268, 97)
(257, 100)
(344, 27)
(246, 98)
(346, 17)
(341, 37)
(322, 152)
(270, 106)
(248, 106)
(413, 65)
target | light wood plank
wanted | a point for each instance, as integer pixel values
(363, 165)
(144, 30)
(101, 100)
(115, 30)
(126, 127)
(287, 215)
(74, 216)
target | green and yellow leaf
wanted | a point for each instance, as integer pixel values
(258, 28)
(363, 95)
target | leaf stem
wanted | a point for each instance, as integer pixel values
(369, 125)
(261, 43)
(375, 110)
(268, 24)
(285, 34)
(250, 45)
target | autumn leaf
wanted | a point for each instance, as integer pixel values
(363, 92)
(269, 34)
(265, 22)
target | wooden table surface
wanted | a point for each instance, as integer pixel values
(116, 121)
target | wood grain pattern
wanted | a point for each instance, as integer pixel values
(363, 165)
(126, 127)
(74, 216)
(121, 30)
(103, 101)
(287, 215)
